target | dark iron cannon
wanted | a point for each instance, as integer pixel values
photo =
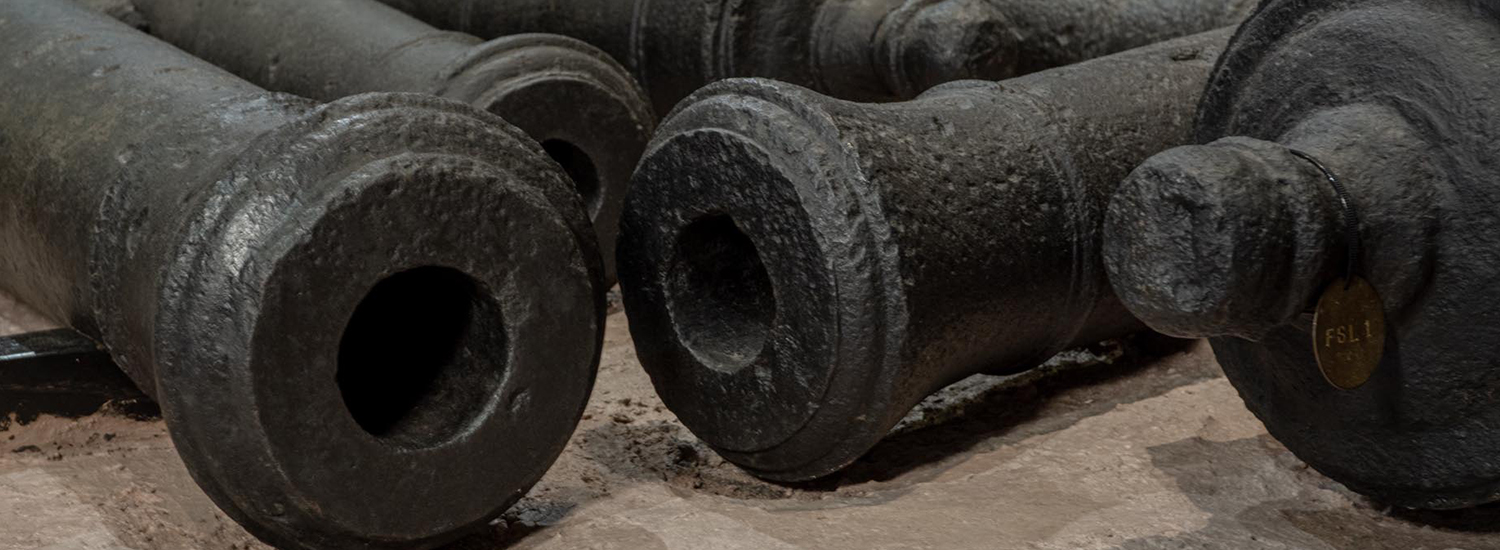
(1356, 318)
(587, 112)
(372, 323)
(800, 271)
(862, 50)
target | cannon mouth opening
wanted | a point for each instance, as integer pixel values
(417, 359)
(720, 295)
(580, 168)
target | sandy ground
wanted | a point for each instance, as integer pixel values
(1110, 448)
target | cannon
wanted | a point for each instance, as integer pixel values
(800, 271)
(1334, 233)
(587, 112)
(861, 50)
(371, 323)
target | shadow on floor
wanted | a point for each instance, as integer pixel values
(986, 412)
(1258, 495)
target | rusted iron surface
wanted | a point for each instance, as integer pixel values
(585, 109)
(371, 323)
(863, 50)
(799, 271)
(1241, 237)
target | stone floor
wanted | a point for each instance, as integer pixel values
(1110, 448)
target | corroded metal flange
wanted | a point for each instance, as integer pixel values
(800, 271)
(372, 323)
(585, 109)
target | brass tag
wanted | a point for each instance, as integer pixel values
(1349, 333)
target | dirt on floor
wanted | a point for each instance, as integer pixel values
(1132, 445)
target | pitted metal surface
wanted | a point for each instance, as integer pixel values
(1235, 239)
(799, 271)
(862, 50)
(585, 109)
(371, 323)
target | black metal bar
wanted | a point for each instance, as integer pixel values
(62, 373)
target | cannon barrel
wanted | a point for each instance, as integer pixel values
(1243, 239)
(371, 323)
(585, 109)
(800, 271)
(861, 50)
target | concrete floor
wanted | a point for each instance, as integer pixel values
(1111, 448)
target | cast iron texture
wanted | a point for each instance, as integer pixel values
(585, 109)
(800, 271)
(862, 50)
(369, 324)
(1236, 239)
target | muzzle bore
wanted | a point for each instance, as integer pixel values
(370, 324)
(800, 271)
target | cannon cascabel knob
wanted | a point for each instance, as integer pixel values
(1237, 239)
(370, 324)
(1203, 254)
(800, 271)
(862, 50)
(584, 108)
